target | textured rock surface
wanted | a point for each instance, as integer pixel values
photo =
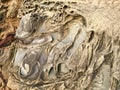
(8, 25)
(60, 45)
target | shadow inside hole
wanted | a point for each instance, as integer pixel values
(91, 36)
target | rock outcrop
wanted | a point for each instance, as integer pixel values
(60, 45)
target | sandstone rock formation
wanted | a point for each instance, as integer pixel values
(60, 45)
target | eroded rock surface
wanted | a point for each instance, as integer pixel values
(64, 45)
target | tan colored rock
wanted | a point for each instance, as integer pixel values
(60, 45)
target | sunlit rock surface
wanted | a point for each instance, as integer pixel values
(60, 45)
